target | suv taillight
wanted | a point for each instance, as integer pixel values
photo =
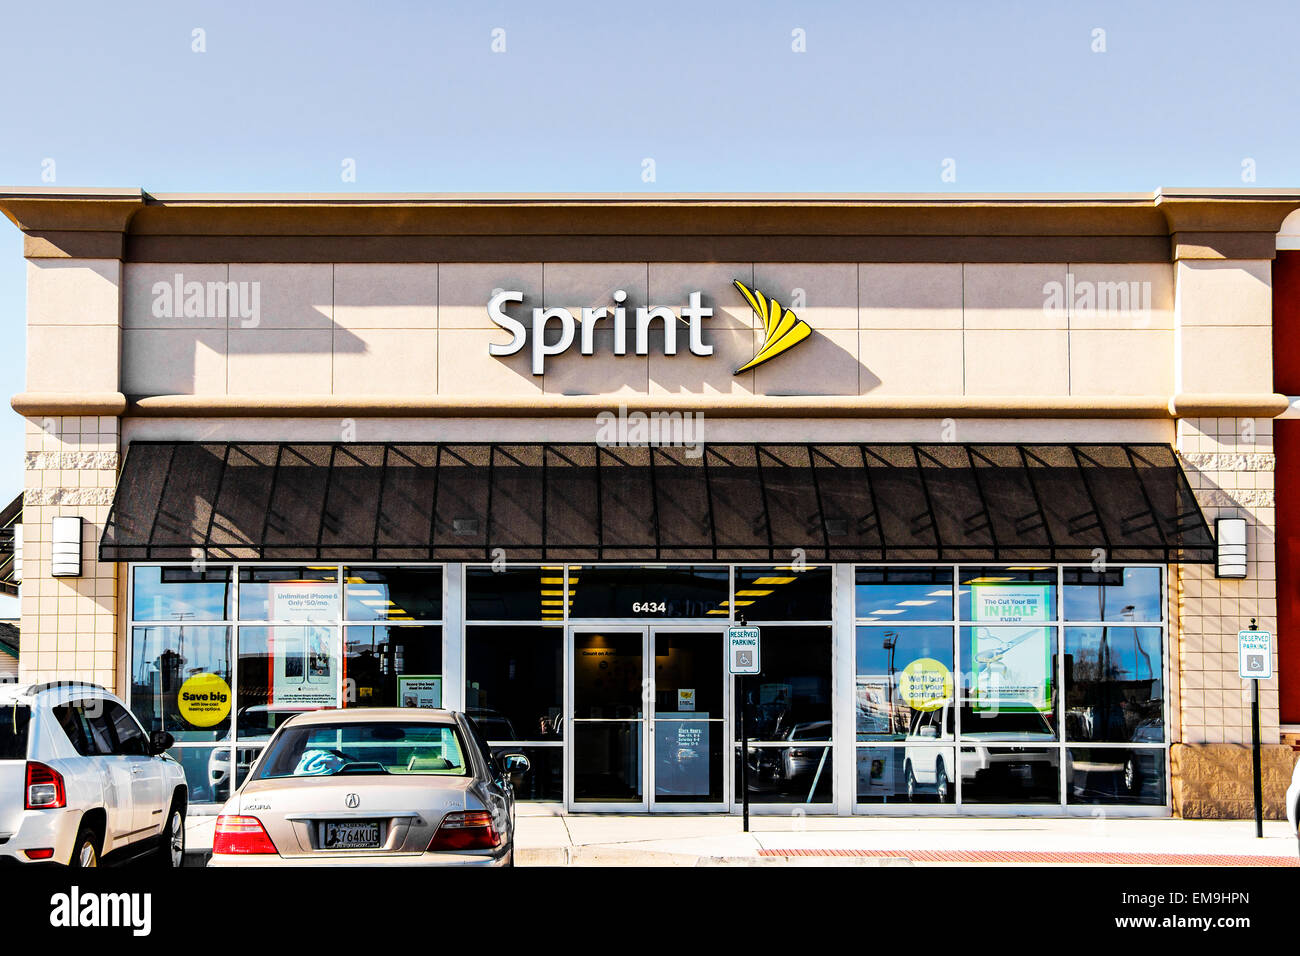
(466, 830)
(241, 835)
(44, 787)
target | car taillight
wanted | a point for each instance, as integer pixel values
(241, 835)
(44, 787)
(466, 830)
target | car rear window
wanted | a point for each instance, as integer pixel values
(324, 750)
(14, 719)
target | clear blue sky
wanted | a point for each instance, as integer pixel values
(584, 92)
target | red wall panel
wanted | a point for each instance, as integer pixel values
(1286, 441)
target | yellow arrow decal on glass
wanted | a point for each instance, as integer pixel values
(782, 329)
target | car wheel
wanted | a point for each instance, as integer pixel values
(171, 842)
(941, 782)
(910, 777)
(85, 852)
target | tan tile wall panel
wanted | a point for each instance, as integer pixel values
(1039, 329)
(1224, 325)
(1230, 464)
(69, 625)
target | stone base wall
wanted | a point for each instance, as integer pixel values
(1215, 781)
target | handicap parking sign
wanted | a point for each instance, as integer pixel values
(1255, 654)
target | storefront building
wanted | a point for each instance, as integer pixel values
(967, 462)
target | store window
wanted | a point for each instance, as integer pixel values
(790, 718)
(285, 640)
(180, 594)
(896, 595)
(393, 666)
(393, 594)
(289, 594)
(905, 683)
(180, 680)
(514, 691)
(1115, 594)
(783, 593)
(514, 594)
(611, 591)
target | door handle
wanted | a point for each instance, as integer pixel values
(136, 770)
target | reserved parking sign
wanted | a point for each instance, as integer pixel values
(1255, 654)
(743, 650)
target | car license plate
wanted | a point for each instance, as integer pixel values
(350, 835)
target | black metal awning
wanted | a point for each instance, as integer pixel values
(736, 502)
(10, 515)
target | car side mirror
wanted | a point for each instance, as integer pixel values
(160, 741)
(514, 764)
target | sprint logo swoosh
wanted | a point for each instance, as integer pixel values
(782, 329)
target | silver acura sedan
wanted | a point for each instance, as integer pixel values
(373, 786)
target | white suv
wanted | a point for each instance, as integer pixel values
(81, 782)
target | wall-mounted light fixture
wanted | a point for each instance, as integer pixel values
(1230, 544)
(65, 549)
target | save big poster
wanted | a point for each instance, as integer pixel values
(1011, 667)
(304, 659)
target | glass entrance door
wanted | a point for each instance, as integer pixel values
(607, 678)
(689, 725)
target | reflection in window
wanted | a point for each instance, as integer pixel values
(393, 594)
(288, 594)
(1113, 684)
(285, 670)
(905, 682)
(1115, 775)
(793, 773)
(783, 593)
(514, 594)
(1018, 595)
(890, 595)
(393, 666)
(163, 658)
(791, 698)
(600, 591)
(1008, 684)
(912, 774)
(180, 594)
(1116, 594)
(1010, 775)
(514, 681)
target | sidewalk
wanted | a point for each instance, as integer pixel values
(545, 838)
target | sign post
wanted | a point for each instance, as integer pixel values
(743, 647)
(1255, 663)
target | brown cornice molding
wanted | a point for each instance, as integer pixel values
(1225, 224)
(1124, 227)
(39, 404)
(72, 223)
(722, 406)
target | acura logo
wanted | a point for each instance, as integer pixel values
(353, 801)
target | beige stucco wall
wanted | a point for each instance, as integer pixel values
(881, 329)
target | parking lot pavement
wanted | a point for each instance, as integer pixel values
(545, 837)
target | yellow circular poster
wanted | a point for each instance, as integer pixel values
(925, 684)
(204, 700)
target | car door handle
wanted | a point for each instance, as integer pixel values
(137, 770)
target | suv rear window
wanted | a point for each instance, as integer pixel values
(14, 719)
